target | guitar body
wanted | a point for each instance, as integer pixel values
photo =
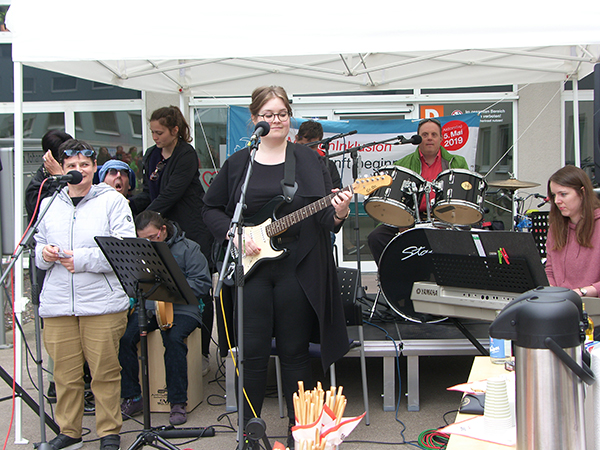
(258, 233)
(264, 226)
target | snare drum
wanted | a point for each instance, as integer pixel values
(394, 205)
(459, 198)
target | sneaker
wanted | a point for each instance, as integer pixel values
(110, 442)
(205, 365)
(64, 442)
(178, 415)
(131, 407)
(51, 393)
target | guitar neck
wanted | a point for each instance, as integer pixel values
(282, 224)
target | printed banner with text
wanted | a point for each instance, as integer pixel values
(459, 135)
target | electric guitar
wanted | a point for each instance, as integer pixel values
(269, 226)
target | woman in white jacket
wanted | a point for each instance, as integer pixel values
(83, 304)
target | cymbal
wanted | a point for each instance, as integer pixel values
(513, 184)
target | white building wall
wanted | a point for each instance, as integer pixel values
(539, 145)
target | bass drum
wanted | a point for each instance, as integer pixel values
(406, 259)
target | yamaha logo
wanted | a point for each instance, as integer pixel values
(429, 292)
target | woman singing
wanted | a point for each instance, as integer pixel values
(573, 244)
(297, 297)
(82, 302)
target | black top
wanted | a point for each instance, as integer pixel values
(180, 194)
(315, 268)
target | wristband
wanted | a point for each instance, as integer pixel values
(341, 218)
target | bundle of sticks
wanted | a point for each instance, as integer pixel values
(308, 406)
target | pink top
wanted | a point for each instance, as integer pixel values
(575, 266)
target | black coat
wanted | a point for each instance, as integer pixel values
(180, 194)
(315, 268)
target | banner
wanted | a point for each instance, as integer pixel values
(459, 135)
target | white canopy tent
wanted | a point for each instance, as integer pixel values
(227, 48)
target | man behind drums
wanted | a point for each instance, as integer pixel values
(428, 160)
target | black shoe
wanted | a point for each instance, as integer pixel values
(64, 442)
(51, 393)
(110, 442)
(291, 443)
(89, 405)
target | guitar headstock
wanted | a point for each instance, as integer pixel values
(367, 185)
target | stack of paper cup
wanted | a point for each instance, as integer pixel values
(497, 413)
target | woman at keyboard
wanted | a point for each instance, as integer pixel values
(573, 244)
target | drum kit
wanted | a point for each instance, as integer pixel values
(457, 203)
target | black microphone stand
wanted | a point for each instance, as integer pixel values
(354, 155)
(29, 243)
(256, 426)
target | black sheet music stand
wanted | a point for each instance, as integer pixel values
(148, 271)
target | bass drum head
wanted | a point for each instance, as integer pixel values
(406, 260)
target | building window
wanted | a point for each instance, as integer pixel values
(135, 119)
(105, 122)
(64, 84)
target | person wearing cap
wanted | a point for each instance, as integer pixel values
(428, 160)
(119, 175)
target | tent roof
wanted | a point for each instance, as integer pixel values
(228, 48)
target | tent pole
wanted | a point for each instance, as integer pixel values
(597, 122)
(576, 139)
(19, 303)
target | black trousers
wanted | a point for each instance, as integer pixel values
(275, 306)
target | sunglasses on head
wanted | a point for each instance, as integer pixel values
(85, 152)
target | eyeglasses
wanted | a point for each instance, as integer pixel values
(283, 116)
(85, 152)
(123, 172)
(159, 167)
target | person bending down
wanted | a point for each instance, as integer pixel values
(186, 318)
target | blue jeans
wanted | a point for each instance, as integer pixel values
(175, 356)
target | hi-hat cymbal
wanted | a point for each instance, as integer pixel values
(513, 184)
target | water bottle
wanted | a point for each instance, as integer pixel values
(500, 350)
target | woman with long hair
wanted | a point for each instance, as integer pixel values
(171, 186)
(573, 244)
(294, 298)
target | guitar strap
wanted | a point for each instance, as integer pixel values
(288, 184)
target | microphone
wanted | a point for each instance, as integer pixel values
(415, 140)
(546, 200)
(72, 177)
(261, 129)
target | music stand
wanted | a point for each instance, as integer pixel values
(148, 271)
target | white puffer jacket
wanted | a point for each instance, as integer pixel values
(93, 289)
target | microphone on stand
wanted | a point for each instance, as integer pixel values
(72, 177)
(261, 129)
(332, 138)
(546, 199)
(415, 140)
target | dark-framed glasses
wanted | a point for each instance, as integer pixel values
(159, 167)
(114, 172)
(85, 152)
(281, 115)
